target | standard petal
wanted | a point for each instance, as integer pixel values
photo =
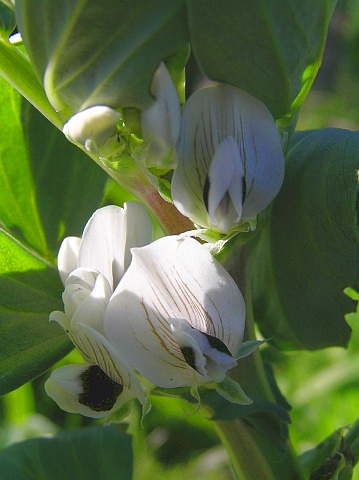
(139, 229)
(172, 278)
(67, 257)
(83, 389)
(108, 236)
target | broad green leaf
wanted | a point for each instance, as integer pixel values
(68, 184)
(270, 49)
(18, 210)
(309, 251)
(89, 53)
(49, 187)
(29, 290)
(91, 453)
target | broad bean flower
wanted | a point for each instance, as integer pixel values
(161, 122)
(230, 160)
(166, 310)
(177, 316)
(95, 129)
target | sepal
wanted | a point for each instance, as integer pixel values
(232, 391)
(248, 347)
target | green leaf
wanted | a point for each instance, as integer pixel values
(29, 290)
(49, 187)
(91, 53)
(230, 390)
(312, 459)
(91, 453)
(68, 184)
(7, 21)
(309, 251)
(270, 49)
(18, 209)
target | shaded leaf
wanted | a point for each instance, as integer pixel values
(270, 49)
(91, 453)
(309, 251)
(29, 290)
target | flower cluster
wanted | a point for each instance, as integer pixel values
(224, 148)
(166, 312)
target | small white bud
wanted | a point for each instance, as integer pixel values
(94, 128)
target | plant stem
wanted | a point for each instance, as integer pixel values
(16, 69)
(256, 443)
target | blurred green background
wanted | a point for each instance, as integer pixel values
(322, 387)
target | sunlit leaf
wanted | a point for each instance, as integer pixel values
(92, 454)
(29, 290)
(18, 209)
(92, 53)
(69, 185)
(49, 187)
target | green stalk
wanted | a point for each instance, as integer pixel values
(16, 69)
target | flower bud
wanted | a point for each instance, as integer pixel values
(230, 159)
(160, 123)
(95, 129)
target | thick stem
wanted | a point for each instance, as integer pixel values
(169, 218)
(256, 443)
(247, 459)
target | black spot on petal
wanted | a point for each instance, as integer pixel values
(100, 392)
(206, 192)
(189, 356)
(244, 189)
(217, 344)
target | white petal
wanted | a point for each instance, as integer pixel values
(65, 387)
(225, 186)
(172, 278)
(95, 129)
(107, 239)
(161, 122)
(67, 257)
(91, 310)
(96, 348)
(211, 361)
(61, 319)
(139, 229)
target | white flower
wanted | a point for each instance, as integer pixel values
(91, 268)
(177, 316)
(167, 310)
(95, 129)
(161, 122)
(230, 159)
